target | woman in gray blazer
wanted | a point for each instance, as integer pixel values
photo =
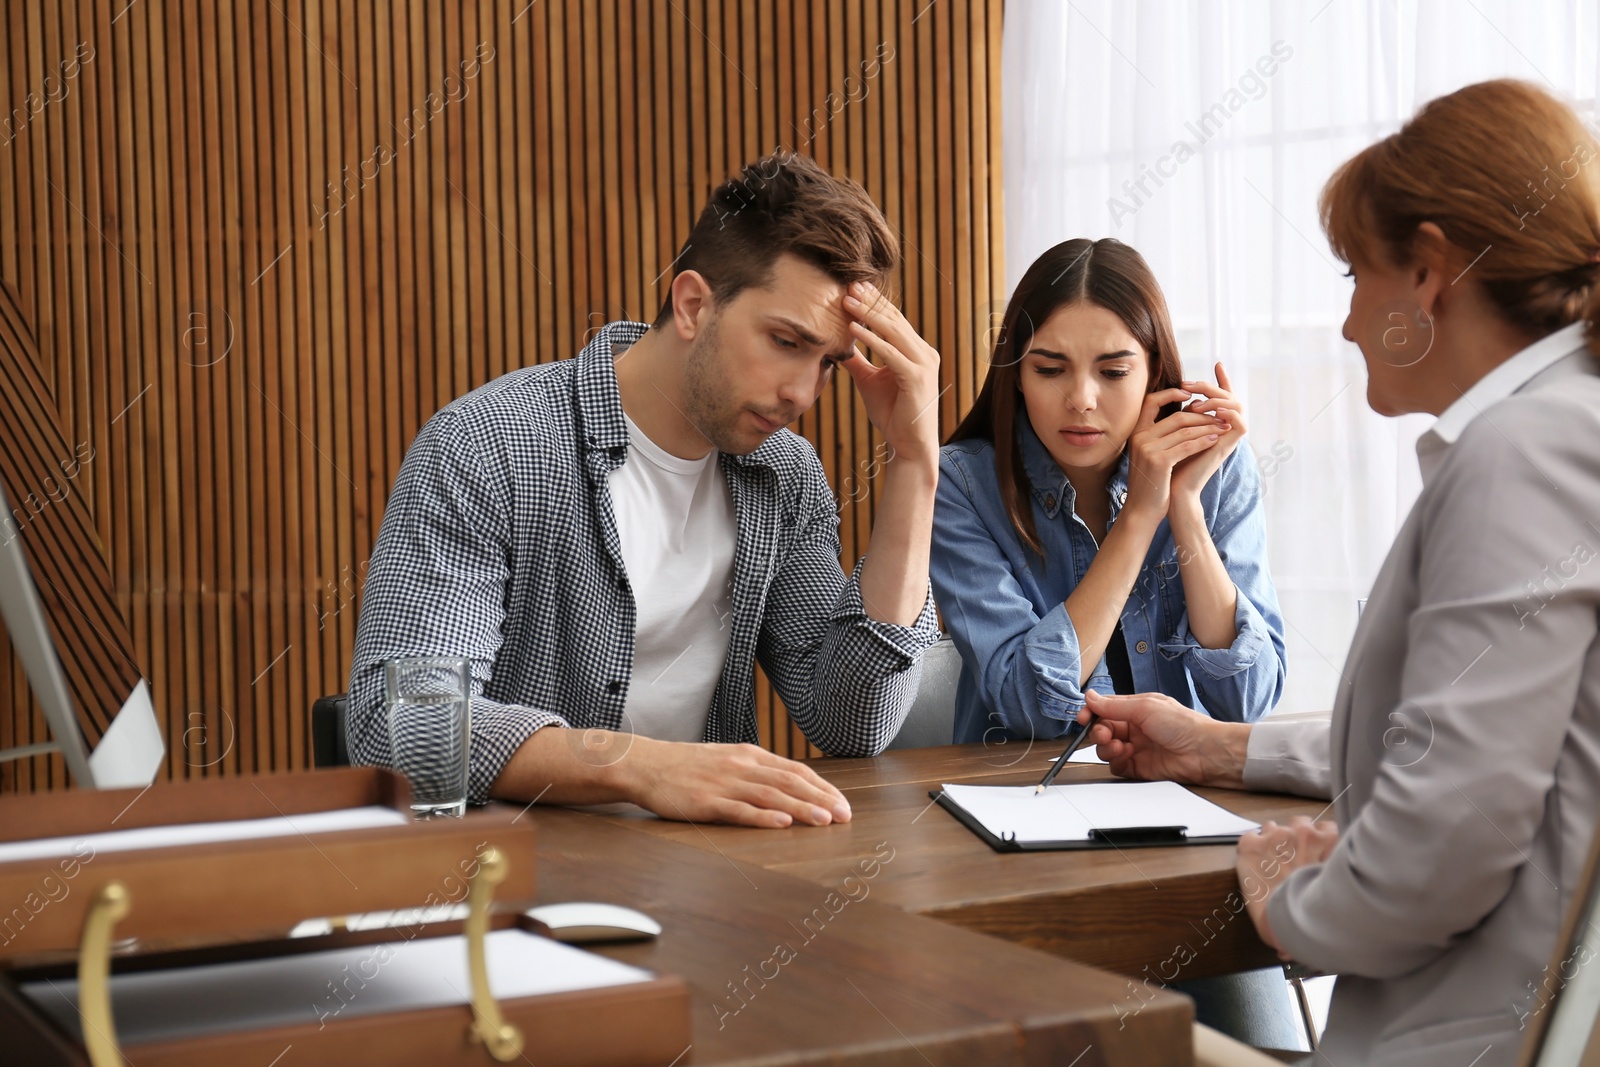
(1463, 759)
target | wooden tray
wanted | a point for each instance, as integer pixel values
(190, 905)
(640, 1025)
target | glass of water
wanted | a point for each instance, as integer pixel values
(429, 700)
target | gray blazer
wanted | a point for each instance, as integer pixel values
(1463, 756)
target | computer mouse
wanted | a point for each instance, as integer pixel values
(580, 921)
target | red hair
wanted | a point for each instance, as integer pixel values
(1510, 175)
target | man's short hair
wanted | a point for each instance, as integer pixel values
(785, 203)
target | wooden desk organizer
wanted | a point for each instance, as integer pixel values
(189, 905)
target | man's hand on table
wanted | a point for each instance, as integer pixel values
(699, 782)
(742, 784)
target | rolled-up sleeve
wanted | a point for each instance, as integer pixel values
(1251, 641)
(436, 586)
(1242, 682)
(1027, 666)
(846, 678)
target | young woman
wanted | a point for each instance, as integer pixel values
(1098, 525)
(1463, 758)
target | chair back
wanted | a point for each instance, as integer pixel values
(1562, 1017)
(328, 746)
(932, 718)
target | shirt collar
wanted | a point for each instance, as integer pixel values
(1051, 486)
(595, 392)
(1492, 388)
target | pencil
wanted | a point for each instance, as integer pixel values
(1055, 768)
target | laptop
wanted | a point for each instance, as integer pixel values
(130, 751)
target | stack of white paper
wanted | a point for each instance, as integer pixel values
(204, 833)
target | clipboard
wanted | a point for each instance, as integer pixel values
(1166, 835)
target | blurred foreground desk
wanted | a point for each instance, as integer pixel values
(1165, 909)
(782, 970)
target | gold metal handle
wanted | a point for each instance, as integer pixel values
(503, 1041)
(109, 907)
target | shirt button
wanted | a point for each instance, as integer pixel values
(613, 688)
(1142, 647)
(1050, 500)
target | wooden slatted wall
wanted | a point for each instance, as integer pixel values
(260, 242)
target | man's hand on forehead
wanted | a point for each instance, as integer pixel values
(902, 386)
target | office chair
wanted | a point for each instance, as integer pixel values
(328, 744)
(932, 718)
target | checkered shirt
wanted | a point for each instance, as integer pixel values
(499, 544)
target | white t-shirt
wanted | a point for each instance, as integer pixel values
(676, 523)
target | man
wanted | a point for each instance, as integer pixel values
(613, 540)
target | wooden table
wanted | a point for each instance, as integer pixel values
(1156, 914)
(785, 971)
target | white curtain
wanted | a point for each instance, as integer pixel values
(1200, 133)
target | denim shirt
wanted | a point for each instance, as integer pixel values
(1005, 606)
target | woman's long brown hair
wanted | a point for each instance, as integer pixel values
(1106, 273)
